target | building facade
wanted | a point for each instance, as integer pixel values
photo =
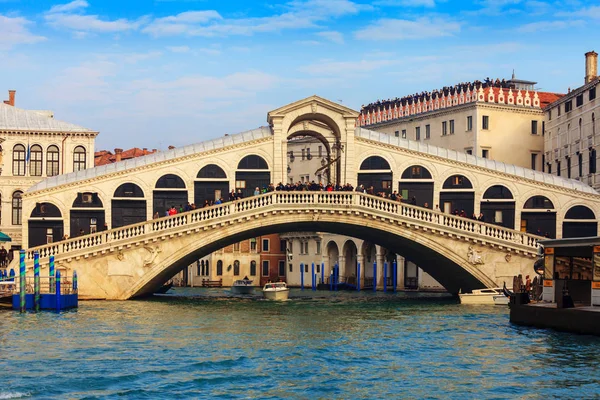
(478, 118)
(36, 146)
(571, 136)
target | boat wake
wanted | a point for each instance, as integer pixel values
(12, 395)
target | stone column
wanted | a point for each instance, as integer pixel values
(361, 260)
(400, 271)
(348, 158)
(380, 264)
(279, 167)
(342, 265)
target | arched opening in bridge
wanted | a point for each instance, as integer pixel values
(457, 194)
(252, 174)
(211, 184)
(349, 269)
(369, 253)
(498, 206)
(333, 256)
(539, 217)
(128, 205)
(309, 153)
(375, 172)
(416, 186)
(87, 214)
(170, 191)
(45, 224)
(579, 221)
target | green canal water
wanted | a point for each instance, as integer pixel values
(199, 343)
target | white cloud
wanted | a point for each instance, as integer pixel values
(332, 36)
(586, 12)
(296, 15)
(71, 16)
(179, 49)
(543, 26)
(331, 67)
(13, 31)
(406, 3)
(401, 29)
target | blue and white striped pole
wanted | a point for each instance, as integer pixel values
(22, 293)
(36, 281)
(58, 291)
(51, 281)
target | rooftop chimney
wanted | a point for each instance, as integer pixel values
(154, 150)
(145, 150)
(171, 147)
(11, 98)
(591, 66)
(118, 154)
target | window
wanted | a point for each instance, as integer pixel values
(533, 160)
(403, 133)
(79, 163)
(579, 100)
(485, 153)
(52, 161)
(543, 162)
(427, 131)
(236, 247)
(236, 268)
(444, 128)
(281, 268)
(543, 128)
(49, 235)
(253, 245)
(19, 160)
(469, 151)
(592, 94)
(35, 160)
(291, 267)
(457, 180)
(282, 245)
(198, 272)
(240, 184)
(568, 167)
(592, 161)
(469, 123)
(265, 245)
(558, 168)
(318, 243)
(498, 216)
(219, 268)
(308, 156)
(386, 184)
(549, 168)
(265, 268)
(485, 122)
(303, 154)
(320, 151)
(418, 133)
(397, 133)
(580, 159)
(534, 126)
(252, 268)
(207, 268)
(549, 115)
(568, 106)
(452, 127)
(17, 208)
(558, 110)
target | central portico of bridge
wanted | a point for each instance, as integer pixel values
(139, 253)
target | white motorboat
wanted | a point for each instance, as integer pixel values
(242, 286)
(276, 291)
(501, 300)
(481, 296)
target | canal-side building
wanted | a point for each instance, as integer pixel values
(35, 146)
(482, 118)
(571, 133)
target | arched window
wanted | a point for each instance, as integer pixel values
(170, 181)
(19, 160)
(252, 268)
(236, 268)
(375, 162)
(497, 192)
(211, 171)
(416, 172)
(79, 162)
(129, 190)
(219, 268)
(252, 162)
(17, 208)
(457, 182)
(539, 202)
(207, 270)
(35, 160)
(52, 163)
(580, 212)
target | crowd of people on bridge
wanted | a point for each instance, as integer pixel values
(426, 96)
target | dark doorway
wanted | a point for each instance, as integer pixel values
(580, 222)
(129, 207)
(91, 221)
(497, 206)
(249, 181)
(45, 225)
(538, 217)
(163, 200)
(210, 185)
(416, 184)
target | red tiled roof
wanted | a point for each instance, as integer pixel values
(547, 98)
(103, 157)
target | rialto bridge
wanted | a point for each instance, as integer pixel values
(140, 252)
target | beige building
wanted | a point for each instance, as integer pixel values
(478, 118)
(571, 134)
(36, 146)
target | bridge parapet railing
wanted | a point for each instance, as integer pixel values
(344, 199)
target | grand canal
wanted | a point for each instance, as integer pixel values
(318, 345)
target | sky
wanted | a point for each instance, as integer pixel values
(154, 73)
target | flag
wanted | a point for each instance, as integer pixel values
(28, 154)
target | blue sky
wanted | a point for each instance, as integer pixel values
(155, 73)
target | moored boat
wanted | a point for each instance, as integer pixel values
(242, 286)
(276, 291)
(480, 296)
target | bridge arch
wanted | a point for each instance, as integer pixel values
(538, 216)
(252, 172)
(169, 190)
(128, 205)
(457, 193)
(211, 183)
(45, 224)
(87, 213)
(350, 254)
(416, 185)
(579, 221)
(498, 205)
(376, 171)
(333, 255)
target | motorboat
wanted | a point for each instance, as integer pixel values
(276, 291)
(242, 286)
(481, 296)
(501, 300)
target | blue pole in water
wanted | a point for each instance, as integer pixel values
(358, 277)
(337, 277)
(374, 276)
(23, 306)
(58, 291)
(323, 272)
(36, 281)
(395, 272)
(313, 279)
(385, 272)
(75, 284)
(301, 276)
(51, 281)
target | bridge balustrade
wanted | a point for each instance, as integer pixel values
(346, 200)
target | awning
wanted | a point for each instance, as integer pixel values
(4, 237)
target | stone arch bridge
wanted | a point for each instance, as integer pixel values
(144, 249)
